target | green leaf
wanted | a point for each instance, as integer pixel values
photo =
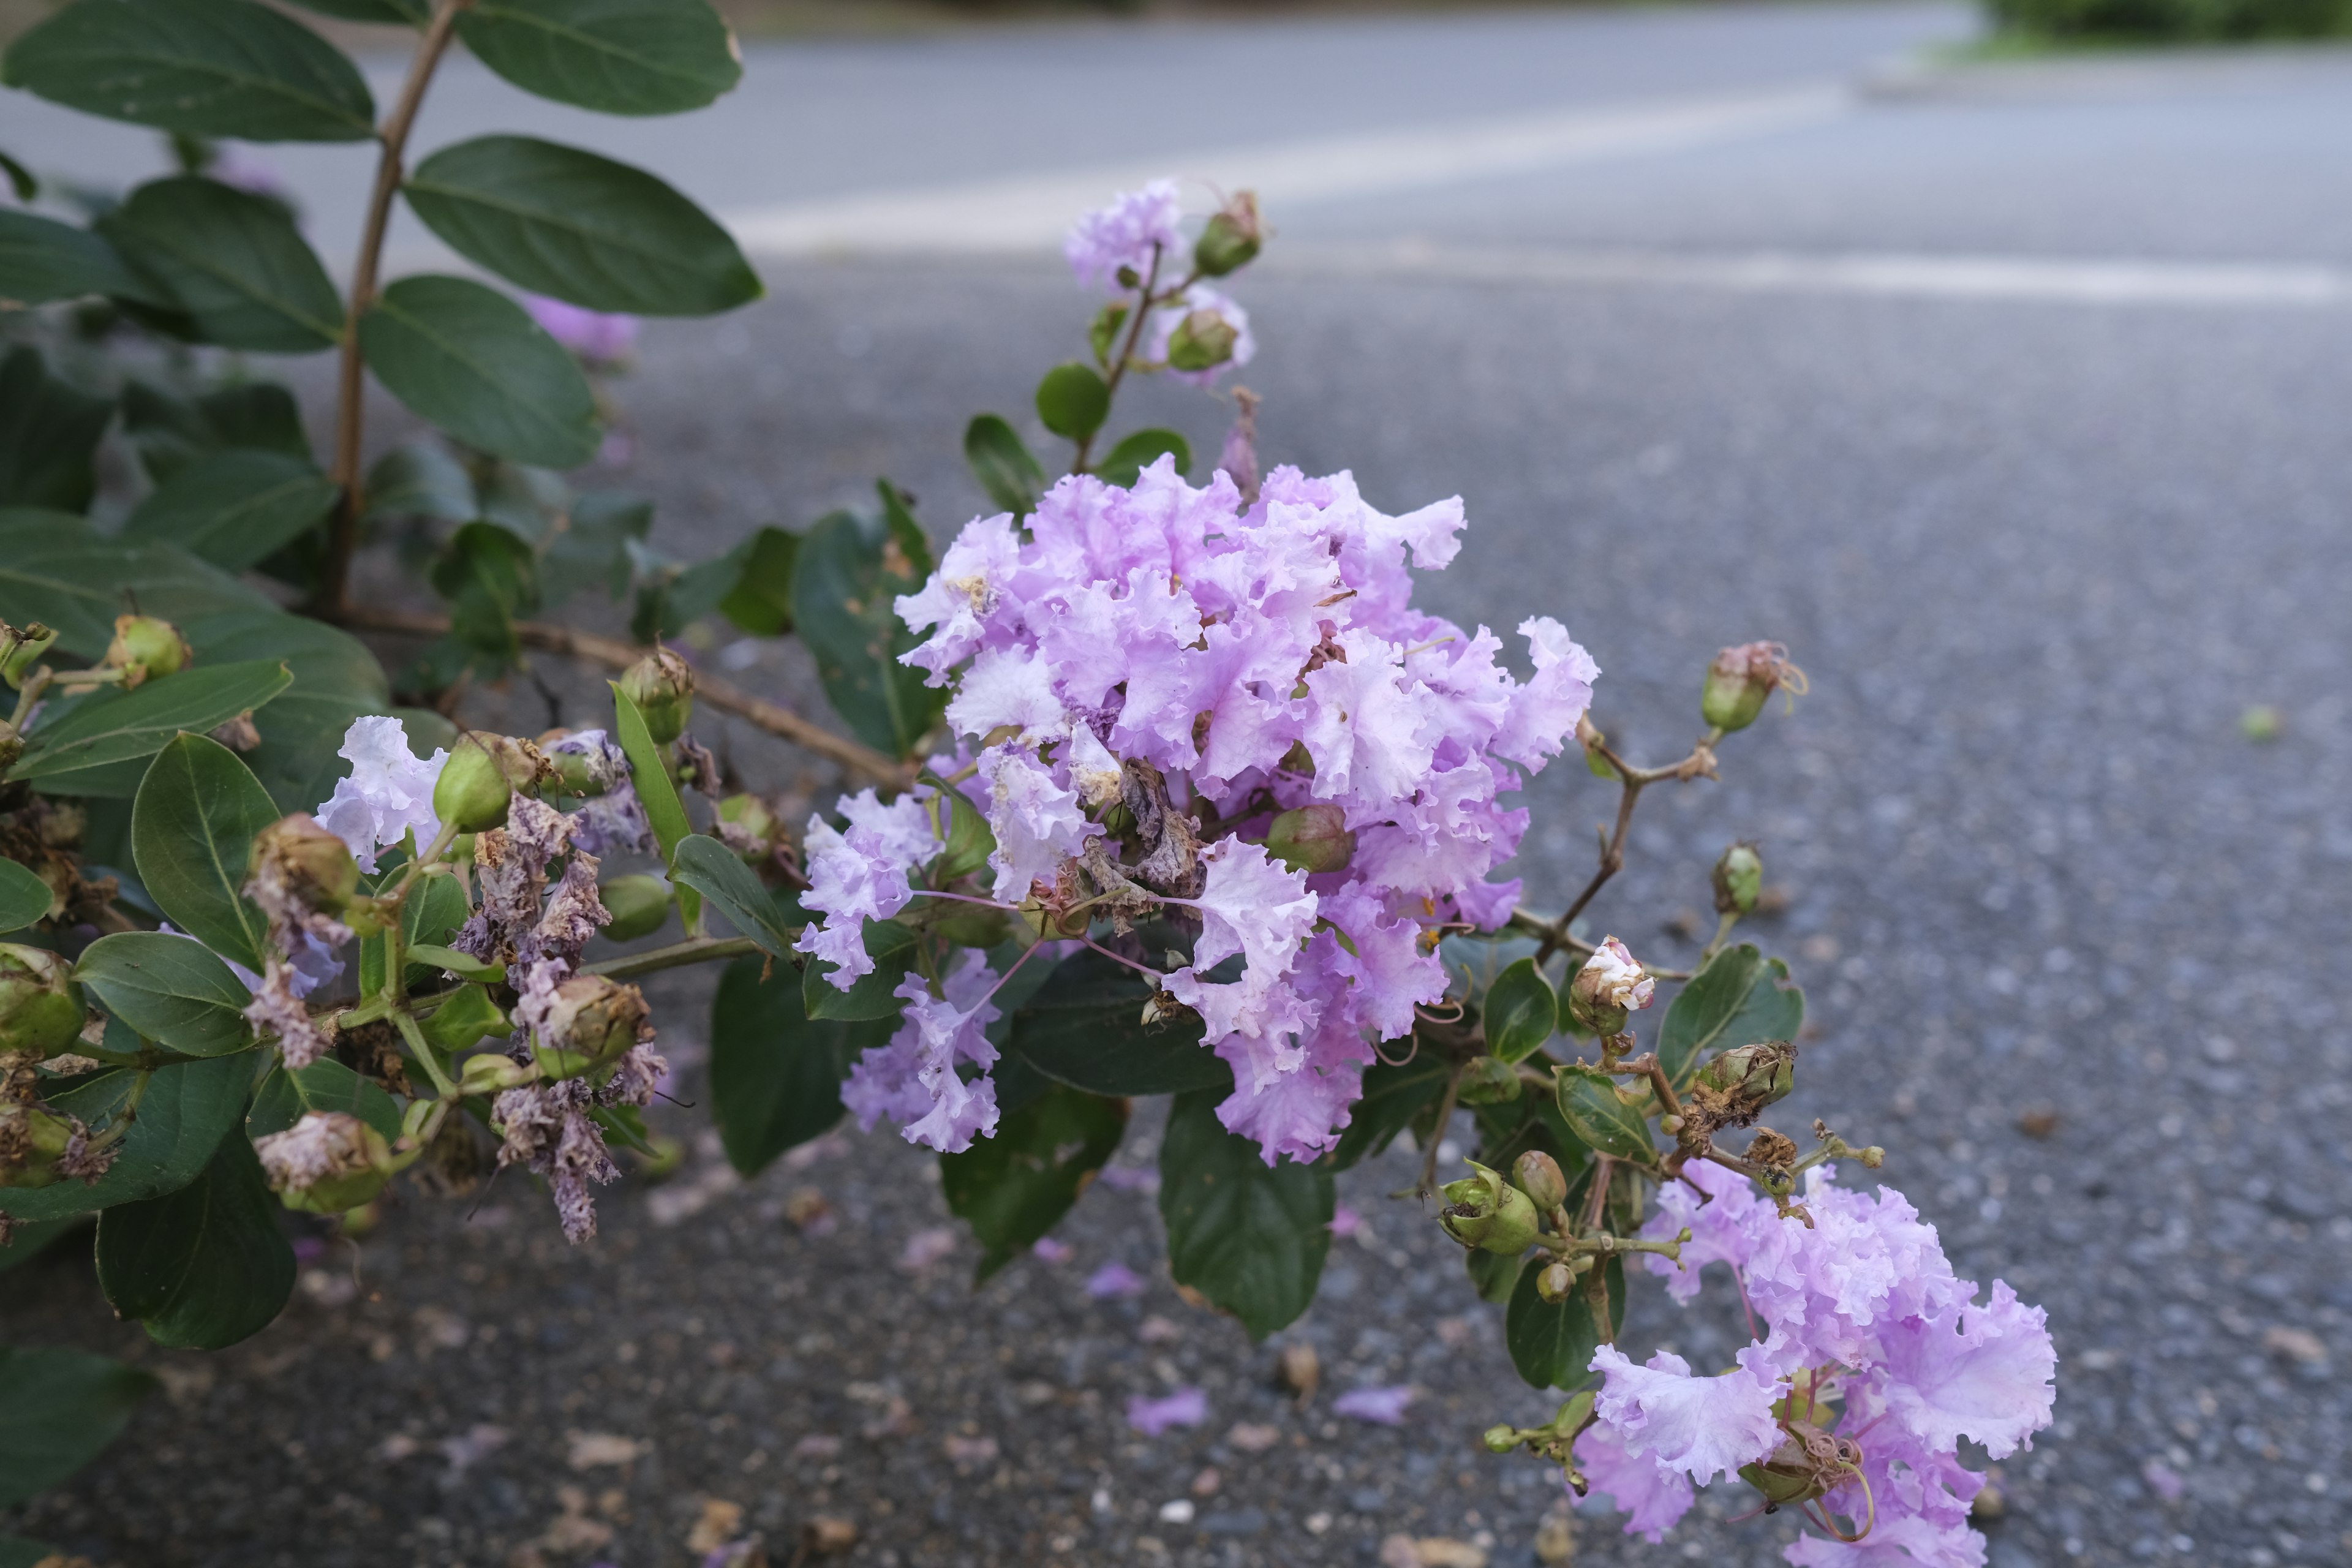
(235, 507)
(59, 1411)
(1002, 464)
(419, 478)
(775, 1073)
(1073, 400)
(393, 13)
(1016, 1185)
(1248, 1235)
(208, 67)
(181, 1119)
(891, 946)
(234, 263)
(326, 1085)
(449, 961)
(1123, 462)
(664, 811)
(970, 841)
(49, 433)
(588, 546)
(1551, 1343)
(671, 599)
(1085, 1027)
(760, 601)
(570, 224)
(55, 569)
(1522, 1012)
(24, 898)
(1590, 1104)
(1393, 1097)
(849, 572)
(192, 831)
(462, 1021)
(170, 432)
(205, 1266)
(718, 874)
(42, 259)
(1740, 998)
(434, 911)
(1493, 1275)
(620, 57)
(73, 754)
(170, 989)
(336, 679)
(474, 364)
(488, 577)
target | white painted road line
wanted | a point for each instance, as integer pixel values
(1033, 212)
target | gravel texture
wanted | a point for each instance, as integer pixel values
(2068, 936)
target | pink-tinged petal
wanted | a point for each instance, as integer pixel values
(1702, 1426)
(1984, 1373)
(1652, 1498)
(1252, 905)
(1543, 712)
(1185, 1408)
(959, 601)
(1038, 823)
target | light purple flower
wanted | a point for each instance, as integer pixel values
(1125, 234)
(1380, 1406)
(858, 875)
(1185, 1408)
(1983, 1372)
(1346, 1222)
(387, 794)
(1115, 1282)
(913, 1079)
(591, 334)
(1037, 822)
(1652, 1498)
(1702, 1426)
(1252, 905)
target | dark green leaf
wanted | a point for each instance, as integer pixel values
(570, 224)
(31, 1238)
(326, 1085)
(56, 569)
(24, 898)
(718, 874)
(891, 946)
(336, 679)
(235, 507)
(620, 57)
(463, 1019)
(73, 754)
(1588, 1103)
(449, 961)
(1494, 1274)
(205, 1266)
(670, 598)
(1073, 400)
(1015, 1185)
(170, 432)
(186, 1109)
(192, 831)
(760, 601)
(1551, 1343)
(474, 363)
(1521, 1012)
(1740, 998)
(434, 911)
(776, 1074)
(488, 577)
(1393, 1097)
(20, 179)
(232, 262)
(421, 480)
(209, 67)
(42, 259)
(1123, 462)
(1085, 1027)
(393, 13)
(16, 1552)
(169, 989)
(850, 570)
(58, 1410)
(663, 810)
(590, 549)
(1002, 462)
(1248, 1235)
(970, 841)
(49, 436)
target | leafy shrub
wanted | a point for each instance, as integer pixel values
(2173, 21)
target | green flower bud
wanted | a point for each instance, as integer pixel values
(41, 1009)
(1203, 340)
(1555, 1283)
(1538, 1174)
(481, 777)
(328, 1162)
(1733, 1089)
(576, 771)
(488, 1072)
(20, 650)
(1486, 1212)
(31, 1140)
(299, 857)
(1500, 1438)
(1609, 989)
(638, 904)
(1490, 1080)
(1739, 880)
(1231, 239)
(145, 647)
(592, 1021)
(662, 686)
(748, 827)
(1312, 838)
(1740, 679)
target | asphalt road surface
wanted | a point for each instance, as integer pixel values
(2015, 401)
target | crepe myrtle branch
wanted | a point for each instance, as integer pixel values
(615, 653)
(1632, 781)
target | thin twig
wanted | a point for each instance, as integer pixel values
(774, 718)
(700, 950)
(349, 390)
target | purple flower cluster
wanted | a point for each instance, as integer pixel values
(1234, 664)
(1861, 1301)
(1125, 234)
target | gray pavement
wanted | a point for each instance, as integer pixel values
(2037, 555)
